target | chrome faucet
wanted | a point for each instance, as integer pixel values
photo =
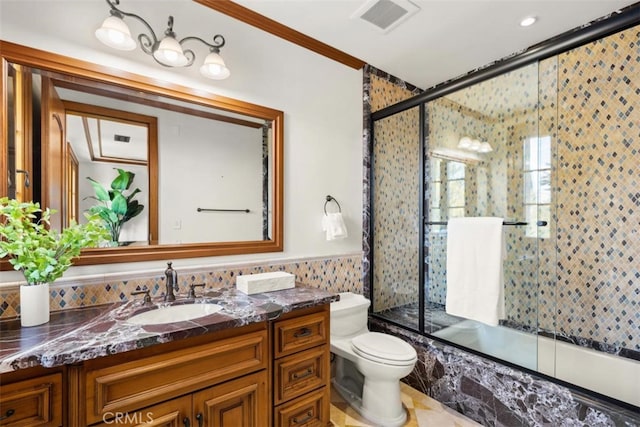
(171, 277)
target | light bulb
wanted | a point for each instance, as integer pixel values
(115, 33)
(214, 67)
(465, 142)
(169, 52)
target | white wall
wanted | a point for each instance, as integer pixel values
(321, 99)
(221, 175)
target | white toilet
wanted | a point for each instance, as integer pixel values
(369, 365)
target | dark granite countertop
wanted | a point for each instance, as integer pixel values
(76, 335)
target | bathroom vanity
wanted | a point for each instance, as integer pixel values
(261, 360)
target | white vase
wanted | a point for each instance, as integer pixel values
(34, 304)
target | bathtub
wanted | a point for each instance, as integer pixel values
(601, 372)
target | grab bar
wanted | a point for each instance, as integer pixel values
(538, 223)
(223, 210)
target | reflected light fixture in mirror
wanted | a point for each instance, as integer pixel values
(168, 52)
(469, 144)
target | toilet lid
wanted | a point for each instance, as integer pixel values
(383, 348)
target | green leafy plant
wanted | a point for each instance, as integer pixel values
(116, 206)
(40, 253)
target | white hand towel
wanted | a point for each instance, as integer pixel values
(475, 251)
(334, 227)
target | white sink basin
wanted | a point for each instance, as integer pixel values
(174, 313)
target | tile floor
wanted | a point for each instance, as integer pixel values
(422, 410)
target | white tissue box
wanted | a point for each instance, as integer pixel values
(265, 282)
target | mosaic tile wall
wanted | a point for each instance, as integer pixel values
(395, 168)
(598, 177)
(547, 253)
(337, 274)
(396, 216)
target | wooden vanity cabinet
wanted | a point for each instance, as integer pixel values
(240, 402)
(31, 397)
(301, 352)
(203, 381)
(264, 374)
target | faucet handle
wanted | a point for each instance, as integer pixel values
(192, 287)
(147, 298)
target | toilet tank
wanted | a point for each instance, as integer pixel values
(349, 315)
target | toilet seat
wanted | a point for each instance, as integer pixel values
(383, 348)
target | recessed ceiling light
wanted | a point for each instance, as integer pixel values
(528, 21)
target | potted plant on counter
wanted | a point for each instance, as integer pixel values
(40, 253)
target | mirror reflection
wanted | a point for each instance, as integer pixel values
(186, 174)
(212, 180)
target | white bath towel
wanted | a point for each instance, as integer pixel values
(334, 227)
(475, 251)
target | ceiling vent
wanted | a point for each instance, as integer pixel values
(121, 138)
(385, 15)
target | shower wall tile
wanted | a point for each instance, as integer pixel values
(395, 167)
(335, 274)
(497, 395)
(387, 90)
(598, 231)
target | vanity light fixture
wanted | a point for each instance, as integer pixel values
(469, 144)
(169, 51)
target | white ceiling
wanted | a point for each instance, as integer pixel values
(445, 39)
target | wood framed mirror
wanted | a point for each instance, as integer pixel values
(198, 202)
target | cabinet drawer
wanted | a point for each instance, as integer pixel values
(132, 385)
(312, 409)
(33, 402)
(300, 373)
(300, 333)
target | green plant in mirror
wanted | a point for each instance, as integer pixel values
(40, 253)
(117, 207)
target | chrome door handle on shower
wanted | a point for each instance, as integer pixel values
(27, 183)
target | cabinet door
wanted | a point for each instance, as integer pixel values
(242, 402)
(172, 413)
(33, 402)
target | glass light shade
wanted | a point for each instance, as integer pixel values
(169, 52)
(465, 142)
(485, 148)
(115, 33)
(475, 145)
(214, 67)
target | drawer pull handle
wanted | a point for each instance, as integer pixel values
(303, 420)
(200, 419)
(7, 414)
(186, 422)
(306, 373)
(304, 332)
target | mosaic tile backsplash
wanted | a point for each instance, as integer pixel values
(335, 274)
